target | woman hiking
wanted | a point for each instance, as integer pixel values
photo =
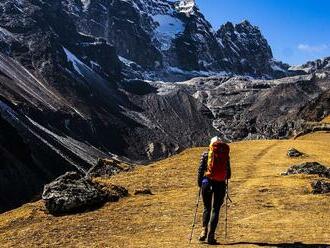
(213, 172)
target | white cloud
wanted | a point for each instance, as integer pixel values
(312, 49)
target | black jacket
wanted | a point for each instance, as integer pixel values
(203, 167)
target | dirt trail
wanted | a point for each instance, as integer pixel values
(268, 209)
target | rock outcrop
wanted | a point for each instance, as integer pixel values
(320, 187)
(245, 108)
(311, 127)
(143, 191)
(309, 168)
(72, 192)
(246, 50)
(318, 108)
(108, 168)
(294, 153)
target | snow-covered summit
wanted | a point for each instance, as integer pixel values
(186, 6)
(157, 35)
(318, 65)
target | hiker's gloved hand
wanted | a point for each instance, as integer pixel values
(205, 181)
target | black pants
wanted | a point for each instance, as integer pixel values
(216, 191)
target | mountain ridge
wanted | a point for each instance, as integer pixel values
(176, 41)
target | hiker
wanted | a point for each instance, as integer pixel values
(213, 172)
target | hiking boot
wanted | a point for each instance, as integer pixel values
(203, 235)
(211, 239)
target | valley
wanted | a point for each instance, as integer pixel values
(138, 81)
(268, 209)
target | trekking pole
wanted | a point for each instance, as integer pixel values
(195, 215)
(226, 214)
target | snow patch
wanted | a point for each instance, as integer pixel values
(196, 73)
(125, 61)
(85, 4)
(103, 7)
(77, 64)
(220, 42)
(140, 118)
(322, 75)
(166, 88)
(5, 109)
(186, 6)
(277, 68)
(168, 28)
(4, 34)
(301, 68)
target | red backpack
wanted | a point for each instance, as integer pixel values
(218, 157)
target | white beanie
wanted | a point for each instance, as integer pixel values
(215, 139)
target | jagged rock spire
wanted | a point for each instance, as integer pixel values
(186, 6)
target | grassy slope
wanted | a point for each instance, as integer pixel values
(267, 207)
(326, 120)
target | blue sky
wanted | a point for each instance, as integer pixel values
(297, 30)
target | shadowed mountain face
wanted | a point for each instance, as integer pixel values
(245, 108)
(318, 108)
(64, 103)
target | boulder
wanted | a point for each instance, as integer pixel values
(320, 187)
(143, 191)
(108, 168)
(312, 168)
(114, 192)
(294, 153)
(73, 192)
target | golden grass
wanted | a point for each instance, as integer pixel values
(266, 208)
(326, 119)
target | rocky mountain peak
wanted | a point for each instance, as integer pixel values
(244, 34)
(228, 26)
(246, 50)
(186, 6)
(246, 27)
(319, 65)
(172, 40)
(246, 23)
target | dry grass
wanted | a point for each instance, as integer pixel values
(267, 208)
(326, 120)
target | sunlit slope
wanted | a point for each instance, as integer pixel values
(267, 208)
(326, 120)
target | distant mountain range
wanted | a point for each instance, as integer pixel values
(172, 40)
